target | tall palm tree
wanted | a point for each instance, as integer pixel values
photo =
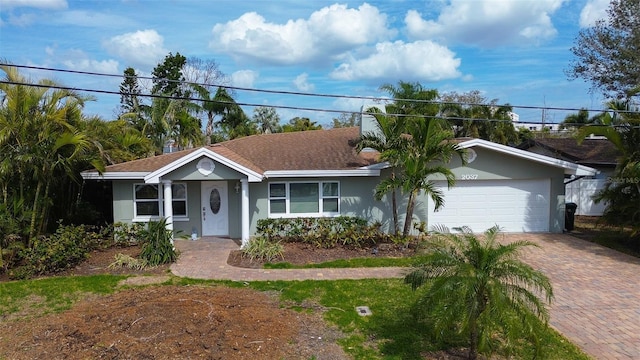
(387, 140)
(212, 106)
(480, 288)
(428, 148)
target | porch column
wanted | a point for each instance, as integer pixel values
(168, 204)
(245, 211)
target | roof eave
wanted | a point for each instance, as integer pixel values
(117, 175)
(569, 167)
(362, 172)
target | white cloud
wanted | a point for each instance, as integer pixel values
(78, 60)
(302, 83)
(244, 78)
(39, 4)
(593, 11)
(421, 60)
(327, 33)
(144, 47)
(487, 22)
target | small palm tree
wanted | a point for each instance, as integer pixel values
(479, 288)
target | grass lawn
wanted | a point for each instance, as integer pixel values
(391, 332)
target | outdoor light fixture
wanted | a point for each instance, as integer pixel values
(237, 187)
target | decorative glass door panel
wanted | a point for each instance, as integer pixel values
(215, 209)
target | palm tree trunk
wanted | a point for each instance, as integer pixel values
(45, 207)
(208, 131)
(394, 206)
(473, 340)
(34, 213)
(409, 215)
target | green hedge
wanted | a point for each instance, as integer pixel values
(323, 232)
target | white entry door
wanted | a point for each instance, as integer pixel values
(514, 205)
(215, 209)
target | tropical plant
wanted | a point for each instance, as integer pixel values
(157, 244)
(300, 124)
(386, 139)
(480, 289)
(415, 143)
(263, 249)
(429, 149)
(267, 119)
(472, 115)
(127, 262)
(40, 141)
(621, 126)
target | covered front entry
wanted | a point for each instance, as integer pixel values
(514, 205)
(215, 208)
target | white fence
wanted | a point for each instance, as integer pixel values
(581, 192)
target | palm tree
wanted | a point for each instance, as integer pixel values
(479, 288)
(483, 121)
(38, 138)
(387, 140)
(212, 106)
(267, 119)
(428, 148)
(415, 142)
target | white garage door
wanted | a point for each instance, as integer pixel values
(514, 205)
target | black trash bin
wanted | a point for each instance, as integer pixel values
(569, 215)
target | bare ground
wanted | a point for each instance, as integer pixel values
(169, 322)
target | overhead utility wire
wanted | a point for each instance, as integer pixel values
(284, 92)
(110, 92)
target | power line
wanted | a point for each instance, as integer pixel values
(297, 93)
(170, 97)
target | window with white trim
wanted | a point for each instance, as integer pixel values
(148, 200)
(304, 198)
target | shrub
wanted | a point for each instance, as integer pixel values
(323, 232)
(66, 248)
(127, 234)
(10, 248)
(128, 262)
(157, 247)
(261, 248)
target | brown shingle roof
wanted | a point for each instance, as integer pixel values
(591, 151)
(305, 150)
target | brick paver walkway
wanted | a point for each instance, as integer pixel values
(597, 290)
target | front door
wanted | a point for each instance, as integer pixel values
(215, 209)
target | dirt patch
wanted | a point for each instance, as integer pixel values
(171, 322)
(168, 322)
(99, 261)
(302, 254)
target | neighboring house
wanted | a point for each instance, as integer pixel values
(596, 153)
(224, 189)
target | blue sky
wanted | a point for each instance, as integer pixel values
(512, 50)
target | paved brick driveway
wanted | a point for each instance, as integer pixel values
(597, 290)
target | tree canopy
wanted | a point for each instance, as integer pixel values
(608, 54)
